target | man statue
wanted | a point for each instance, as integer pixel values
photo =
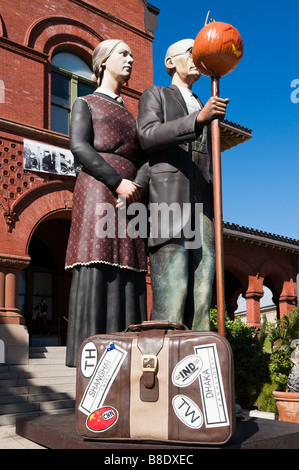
(174, 129)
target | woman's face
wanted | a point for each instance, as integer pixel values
(119, 63)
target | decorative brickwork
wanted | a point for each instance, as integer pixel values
(34, 203)
(14, 181)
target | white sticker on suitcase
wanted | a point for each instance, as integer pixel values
(211, 386)
(102, 379)
(89, 359)
(186, 371)
(102, 419)
(187, 411)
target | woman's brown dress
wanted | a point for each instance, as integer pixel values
(108, 291)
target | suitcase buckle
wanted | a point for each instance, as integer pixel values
(149, 363)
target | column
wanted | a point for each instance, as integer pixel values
(287, 298)
(253, 295)
(2, 292)
(11, 297)
(13, 331)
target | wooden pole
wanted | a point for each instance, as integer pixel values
(217, 188)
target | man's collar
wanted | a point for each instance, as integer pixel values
(178, 96)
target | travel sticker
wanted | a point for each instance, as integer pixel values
(211, 387)
(102, 379)
(89, 359)
(102, 419)
(186, 371)
(187, 411)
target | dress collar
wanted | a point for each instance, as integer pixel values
(106, 91)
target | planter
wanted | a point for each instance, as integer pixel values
(287, 405)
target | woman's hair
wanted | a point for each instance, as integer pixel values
(99, 57)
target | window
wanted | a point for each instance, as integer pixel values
(70, 78)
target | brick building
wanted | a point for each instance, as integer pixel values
(46, 49)
(254, 259)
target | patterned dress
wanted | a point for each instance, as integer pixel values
(108, 291)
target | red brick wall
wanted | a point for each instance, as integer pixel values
(31, 32)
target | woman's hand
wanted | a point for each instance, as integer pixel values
(128, 192)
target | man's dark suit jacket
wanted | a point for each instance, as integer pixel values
(180, 165)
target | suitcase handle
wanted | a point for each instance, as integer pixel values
(156, 325)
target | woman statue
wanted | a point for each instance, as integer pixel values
(108, 290)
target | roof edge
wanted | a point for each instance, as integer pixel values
(259, 236)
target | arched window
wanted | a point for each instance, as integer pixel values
(70, 78)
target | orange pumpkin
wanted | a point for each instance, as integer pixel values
(217, 50)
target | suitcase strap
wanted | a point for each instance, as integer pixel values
(150, 343)
(156, 325)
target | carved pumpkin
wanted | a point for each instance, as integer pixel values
(217, 50)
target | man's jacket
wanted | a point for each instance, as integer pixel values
(180, 165)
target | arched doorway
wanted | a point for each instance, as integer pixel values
(45, 278)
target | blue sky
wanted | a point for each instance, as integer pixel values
(260, 177)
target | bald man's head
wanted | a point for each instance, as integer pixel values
(178, 48)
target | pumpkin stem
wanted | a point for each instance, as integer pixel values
(207, 18)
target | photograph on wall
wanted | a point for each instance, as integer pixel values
(49, 159)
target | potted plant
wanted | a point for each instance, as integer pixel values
(288, 401)
(284, 366)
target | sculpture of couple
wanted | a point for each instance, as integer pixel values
(164, 158)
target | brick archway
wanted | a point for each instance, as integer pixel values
(236, 268)
(46, 33)
(239, 266)
(48, 200)
(46, 277)
(38, 204)
(260, 259)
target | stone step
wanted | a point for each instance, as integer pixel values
(36, 397)
(10, 419)
(35, 406)
(55, 388)
(32, 371)
(51, 349)
(38, 381)
(41, 353)
(45, 385)
(47, 355)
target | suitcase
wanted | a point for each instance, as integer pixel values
(156, 381)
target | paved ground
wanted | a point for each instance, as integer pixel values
(10, 440)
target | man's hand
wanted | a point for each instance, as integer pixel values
(215, 108)
(129, 191)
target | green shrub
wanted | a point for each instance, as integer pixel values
(250, 361)
(266, 401)
(277, 342)
(285, 330)
(280, 366)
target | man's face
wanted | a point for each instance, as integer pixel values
(181, 55)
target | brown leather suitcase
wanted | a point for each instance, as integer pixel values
(156, 381)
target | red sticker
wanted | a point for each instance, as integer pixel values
(102, 419)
